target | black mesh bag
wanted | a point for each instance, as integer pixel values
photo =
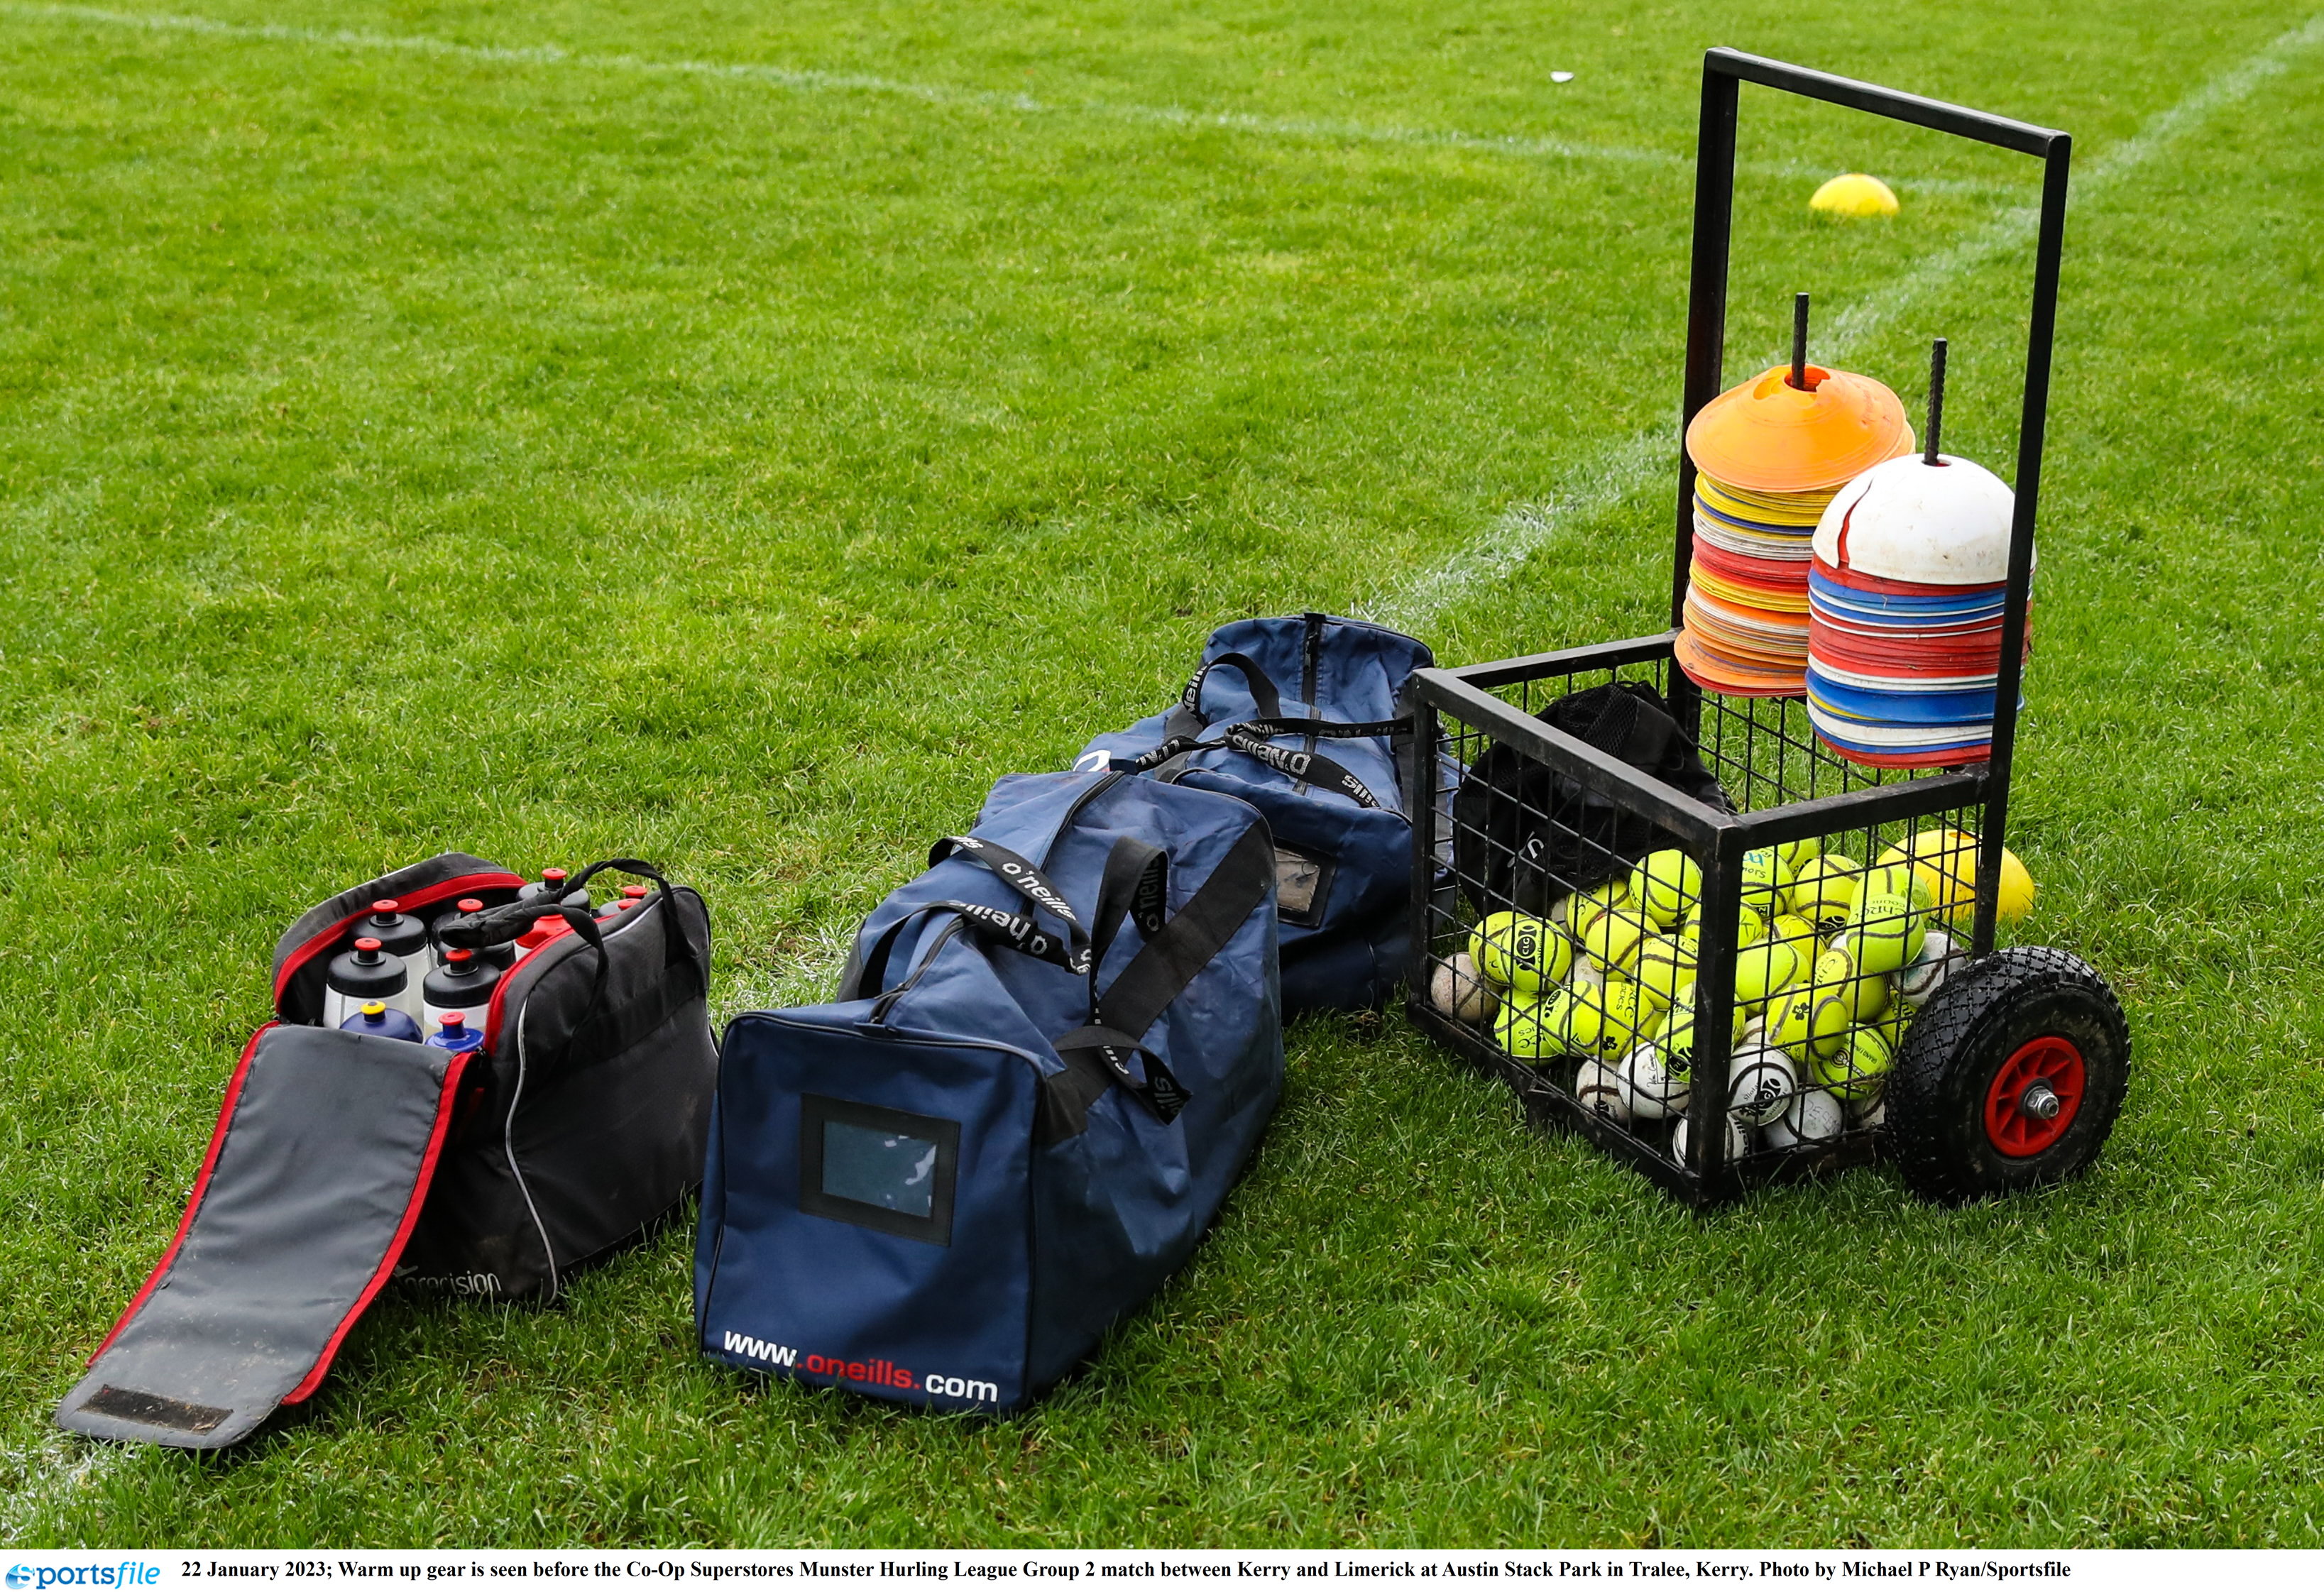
(1523, 834)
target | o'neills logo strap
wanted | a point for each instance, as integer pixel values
(1163, 753)
(1309, 768)
(1021, 933)
(1149, 903)
(1312, 768)
(1158, 1092)
(1028, 881)
(1323, 728)
(1191, 698)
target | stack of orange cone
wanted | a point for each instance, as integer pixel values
(1768, 455)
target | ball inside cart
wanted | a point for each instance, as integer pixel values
(1738, 1139)
(1761, 1084)
(1655, 1082)
(1766, 969)
(1665, 885)
(1824, 889)
(1518, 952)
(1885, 931)
(1597, 1089)
(1813, 1118)
(1866, 995)
(1459, 991)
(1527, 1031)
(1767, 883)
(1808, 1023)
(1858, 1070)
(1942, 956)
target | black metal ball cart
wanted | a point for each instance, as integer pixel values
(1534, 801)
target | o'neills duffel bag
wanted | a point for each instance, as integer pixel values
(473, 1084)
(1049, 1059)
(1304, 719)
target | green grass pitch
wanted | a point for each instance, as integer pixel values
(734, 435)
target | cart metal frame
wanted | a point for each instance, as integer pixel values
(1718, 840)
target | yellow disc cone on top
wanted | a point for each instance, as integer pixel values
(1855, 195)
(1768, 435)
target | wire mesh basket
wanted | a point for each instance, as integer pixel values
(1651, 912)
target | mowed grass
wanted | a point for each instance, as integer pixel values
(407, 447)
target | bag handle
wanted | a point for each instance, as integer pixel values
(1136, 887)
(1021, 875)
(1017, 931)
(497, 926)
(1096, 1055)
(1188, 716)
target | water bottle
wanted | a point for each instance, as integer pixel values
(550, 888)
(453, 1033)
(365, 974)
(383, 1021)
(401, 935)
(463, 984)
(502, 956)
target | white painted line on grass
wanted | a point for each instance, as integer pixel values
(49, 1473)
(1629, 465)
(810, 81)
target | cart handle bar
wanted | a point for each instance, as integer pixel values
(1985, 128)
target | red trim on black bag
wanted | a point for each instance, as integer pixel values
(194, 1198)
(450, 1091)
(449, 889)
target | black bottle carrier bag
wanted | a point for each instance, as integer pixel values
(342, 1161)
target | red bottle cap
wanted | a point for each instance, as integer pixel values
(552, 876)
(387, 908)
(461, 957)
(367, 944)
(543, 930)
(469, 903)
(454, 1022)
(635, 892)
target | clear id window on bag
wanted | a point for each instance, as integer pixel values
(886, 1170)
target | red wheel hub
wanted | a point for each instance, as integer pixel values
(2034, 1096)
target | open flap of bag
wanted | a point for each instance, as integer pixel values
(314, 1180)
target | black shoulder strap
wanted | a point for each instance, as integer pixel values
(1097, 1056)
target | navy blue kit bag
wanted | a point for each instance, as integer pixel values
(1303, 718)
(1049, 1060)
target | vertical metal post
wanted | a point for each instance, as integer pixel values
(2048, 250)
(1420, 792)
(1706, 297)
(1714, 1006)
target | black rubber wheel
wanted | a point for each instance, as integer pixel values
(2011, 1077)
